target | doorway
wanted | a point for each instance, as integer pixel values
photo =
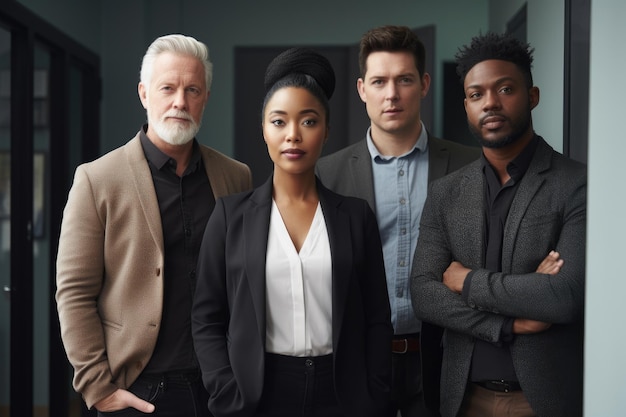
(46, 129)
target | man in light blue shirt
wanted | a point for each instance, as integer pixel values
(391, 169)
(400, 184)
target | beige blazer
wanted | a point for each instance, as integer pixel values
(110, 265)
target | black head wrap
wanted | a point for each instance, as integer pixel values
(303, 61)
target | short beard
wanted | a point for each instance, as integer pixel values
(175, 133)
(519, 129)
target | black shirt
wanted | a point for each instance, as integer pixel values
(185, 204)
(493, 361)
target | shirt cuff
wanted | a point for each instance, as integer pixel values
(506, 333)
(466, 286)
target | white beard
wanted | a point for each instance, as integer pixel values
(174, 133)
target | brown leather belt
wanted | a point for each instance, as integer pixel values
(410, 344)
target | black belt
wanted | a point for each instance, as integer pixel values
(500, 385)
(405, 344)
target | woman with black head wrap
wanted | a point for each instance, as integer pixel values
(291, 314)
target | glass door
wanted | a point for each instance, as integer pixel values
(49, 123)
(43, 297)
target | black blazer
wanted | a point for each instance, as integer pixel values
(228, 315)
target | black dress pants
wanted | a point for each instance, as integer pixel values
(298, 386)
(173, 395)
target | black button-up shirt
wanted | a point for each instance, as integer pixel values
(185, 204)
(490, 361)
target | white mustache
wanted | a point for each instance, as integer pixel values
(179, 114)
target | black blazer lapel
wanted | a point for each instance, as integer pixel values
(338, 226)
(256, 229)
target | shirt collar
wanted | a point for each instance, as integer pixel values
(420, 145)
(159, 159)
(518, 166)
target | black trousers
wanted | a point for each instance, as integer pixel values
(407, 395)
(173, 395)
(296, 386)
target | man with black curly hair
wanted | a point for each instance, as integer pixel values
(502, 250)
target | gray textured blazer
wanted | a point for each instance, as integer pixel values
(548, 212)
(349, 172)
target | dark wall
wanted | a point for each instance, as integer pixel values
(250, 64)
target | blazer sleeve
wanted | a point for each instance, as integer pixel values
(553, 217)
(80, 269)
(554, 220)
(432, 300)
(210, 318)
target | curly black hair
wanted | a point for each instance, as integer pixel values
(495, 46)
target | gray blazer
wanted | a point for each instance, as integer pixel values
(349, 172)
(548, 212)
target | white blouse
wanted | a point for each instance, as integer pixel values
(298, 290)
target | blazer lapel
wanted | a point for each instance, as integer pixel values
(528, 188)
(470, 253)
(256, 229)
(338, 226)
(215, 172)
(438, 159)
(144, 189)
(362, 175)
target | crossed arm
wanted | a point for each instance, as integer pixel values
(550, 292)
(454, 278)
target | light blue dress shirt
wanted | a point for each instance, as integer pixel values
(400, 186)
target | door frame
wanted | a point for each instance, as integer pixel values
(27, 32)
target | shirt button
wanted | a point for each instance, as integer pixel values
(401, 173)
(402, 201)
(308, 363)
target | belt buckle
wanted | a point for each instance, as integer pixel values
(406, 346)
(503, 385)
